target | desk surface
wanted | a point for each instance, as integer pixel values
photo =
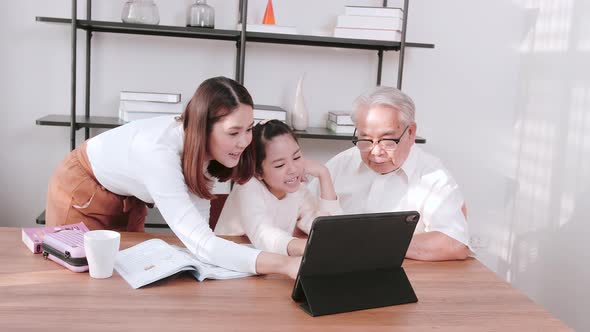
(37, 294)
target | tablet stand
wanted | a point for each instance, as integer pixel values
(330, 294)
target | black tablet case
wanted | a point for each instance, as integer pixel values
(353, 262)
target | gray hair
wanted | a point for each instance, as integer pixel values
(386, 96)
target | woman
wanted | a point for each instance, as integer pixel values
(169, 161)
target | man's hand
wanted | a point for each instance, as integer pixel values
(436, 246)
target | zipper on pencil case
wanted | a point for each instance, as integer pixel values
(66, 257)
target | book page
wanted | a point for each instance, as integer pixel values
(208, 271)
(150, 261)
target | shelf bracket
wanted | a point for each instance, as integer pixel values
(379, 66)
(242, 43)
(73, 125)
(402, 48)
(88, 53)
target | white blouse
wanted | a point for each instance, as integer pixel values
(422, 184)
(252, 210)
(143, 159)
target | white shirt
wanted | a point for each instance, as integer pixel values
(269, 222)
(422, 184)
(143, 159)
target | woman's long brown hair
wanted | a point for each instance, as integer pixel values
(215, 98)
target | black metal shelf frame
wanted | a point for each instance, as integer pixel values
(76, 122)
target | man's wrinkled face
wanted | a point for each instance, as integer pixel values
(382, 122)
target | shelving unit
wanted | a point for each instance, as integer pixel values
(76, 122)
(241, 38)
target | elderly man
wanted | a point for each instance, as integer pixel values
(386, 172)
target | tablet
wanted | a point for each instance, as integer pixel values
(353, 262)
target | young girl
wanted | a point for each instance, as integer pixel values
(172, 162)
(271, 205)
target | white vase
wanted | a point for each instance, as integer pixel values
(299, 115)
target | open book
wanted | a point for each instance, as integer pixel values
(154, 259)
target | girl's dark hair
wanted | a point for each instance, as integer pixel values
(214, 98)
(264, 132)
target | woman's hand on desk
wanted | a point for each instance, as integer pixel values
(293, 267)
(267, 263)
(296, 247)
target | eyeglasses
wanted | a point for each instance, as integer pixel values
(388, 144)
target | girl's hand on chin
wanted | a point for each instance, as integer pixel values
(312, 168)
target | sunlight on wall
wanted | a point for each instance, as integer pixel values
(579, 133)
(550, 211)
(553, 24)
(583, 42)
(536, 133)
(577, 148)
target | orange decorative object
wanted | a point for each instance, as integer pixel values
(269, 14)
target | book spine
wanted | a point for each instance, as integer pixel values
(386, 35)
(268, 108)
(340, 129)
(133, 116)
(369, 22)
(256, 121)
(151, 96)
(269, 28)
(340, 119)
(373, 11)
(148, 106)
(266, 114)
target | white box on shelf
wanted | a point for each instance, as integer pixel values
(150, 106)
(269, 112)
(374, 11)
(151, 96)
(369, 22)
(270, 28)
(386, 35)
(339, 129)
(340, 118)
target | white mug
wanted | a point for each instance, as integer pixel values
(101, 249)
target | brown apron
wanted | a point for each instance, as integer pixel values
(75, 195)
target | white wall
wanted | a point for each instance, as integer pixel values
(503, 100)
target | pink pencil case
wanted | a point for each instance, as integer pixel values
(66, 248)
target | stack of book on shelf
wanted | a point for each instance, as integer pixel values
(340, 122)
(142, 105)
(267, 112)
(374, 23)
